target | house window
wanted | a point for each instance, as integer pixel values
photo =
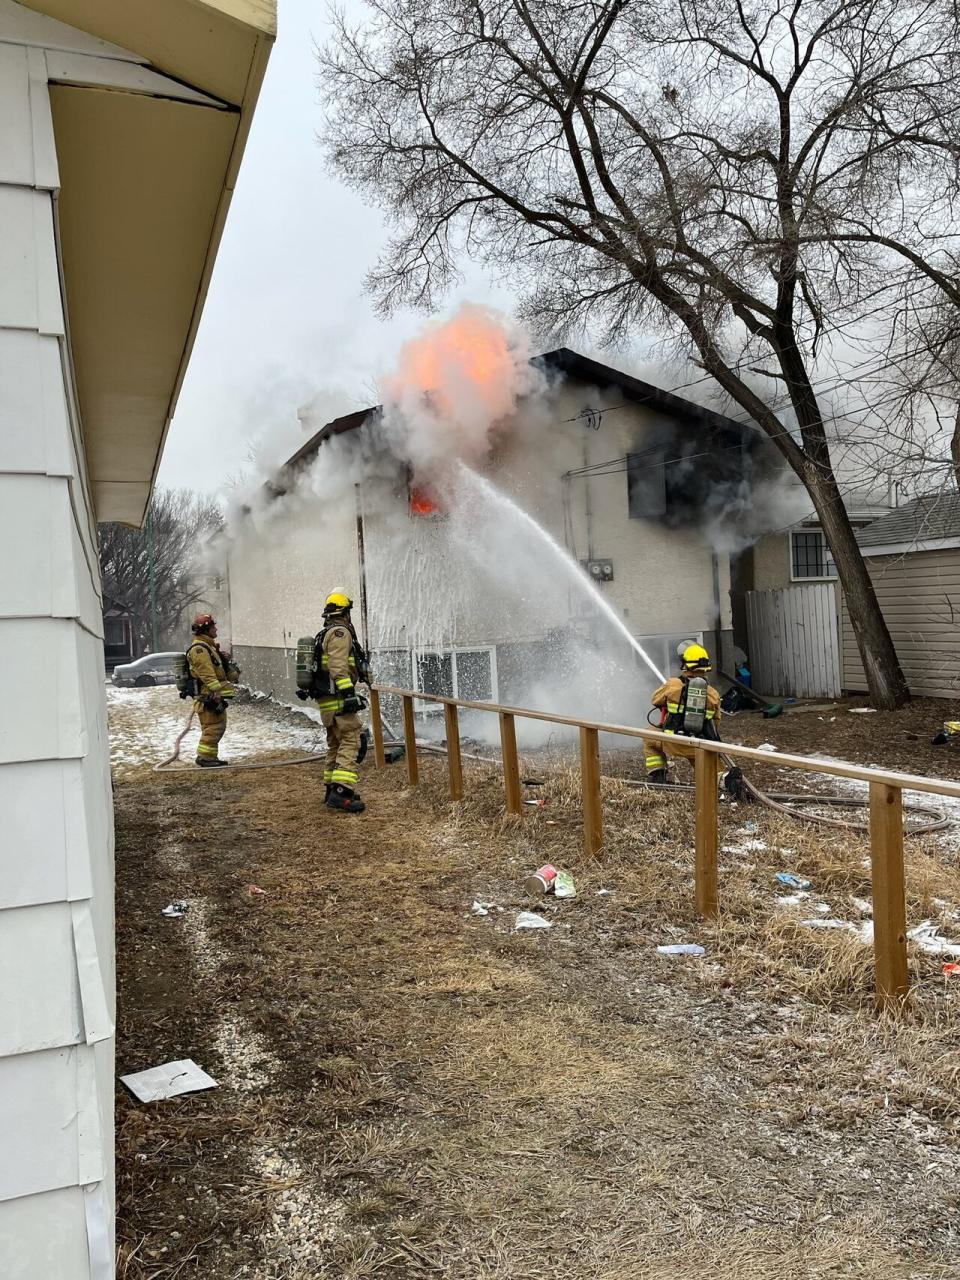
(646, 485)
(470, 674)
(810, 556)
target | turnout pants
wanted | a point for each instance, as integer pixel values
(213, 725)
(343, 743)
(655, 753)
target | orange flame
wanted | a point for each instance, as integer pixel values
(455, 382)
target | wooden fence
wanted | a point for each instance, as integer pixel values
(885, 790)
(794, 641)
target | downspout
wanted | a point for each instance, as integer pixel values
(362, 560)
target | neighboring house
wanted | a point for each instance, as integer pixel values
(913, 556)
(786, 595)
(122, 125)
(620, 472)
(119, 636)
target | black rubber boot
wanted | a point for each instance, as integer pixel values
(735, 786)
(327, 788)
(659, 776)
(940, 740)
(344, 800)
(211, 764)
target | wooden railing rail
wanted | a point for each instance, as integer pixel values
(885, 794)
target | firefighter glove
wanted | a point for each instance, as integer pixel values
(352, 703)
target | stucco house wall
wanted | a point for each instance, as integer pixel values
(286, 556)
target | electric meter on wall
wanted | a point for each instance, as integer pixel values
(599, 570)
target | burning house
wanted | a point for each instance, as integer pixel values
(454, 527)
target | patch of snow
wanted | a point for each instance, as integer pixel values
(144, 725)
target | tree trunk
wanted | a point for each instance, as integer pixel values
(955, 448)
(885, 679)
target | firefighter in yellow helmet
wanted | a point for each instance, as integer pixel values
(214, 674)
(688, 706)
(340, 663)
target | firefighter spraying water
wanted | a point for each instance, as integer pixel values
(689, 707)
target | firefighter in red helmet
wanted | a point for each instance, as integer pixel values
(213, 673)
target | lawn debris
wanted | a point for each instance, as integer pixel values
(563, 885)
(168, 1081)
(176, 910)
(541, 881)
(530, 920)
(792, 881)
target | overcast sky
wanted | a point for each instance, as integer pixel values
(286, 318)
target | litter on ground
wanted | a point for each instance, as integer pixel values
(927, 937)
(681, 949)
(792, 881)
(530, 920)
(176, 910)
(168, 1081)
(563, 885)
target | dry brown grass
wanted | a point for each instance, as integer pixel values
(487, 1105)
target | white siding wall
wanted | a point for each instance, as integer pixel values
(919, 595)
(285, 559)
(56, 850)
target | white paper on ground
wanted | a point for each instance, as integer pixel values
(97, 1214)
(168, 1081)
(530, 920)
(97, 1023)
(681, 949)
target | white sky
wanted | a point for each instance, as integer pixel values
(286, 318)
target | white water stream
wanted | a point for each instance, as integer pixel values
(558, 555)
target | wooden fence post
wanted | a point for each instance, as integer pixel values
(511, 765)
(379, 759)
(410, 738)
(454, 764)
(889, 896)
(707, 838)
(590, 791)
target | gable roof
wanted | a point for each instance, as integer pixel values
(558, 364)
(921, 525)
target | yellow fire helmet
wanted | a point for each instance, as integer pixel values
(695, 658)
(337, 602)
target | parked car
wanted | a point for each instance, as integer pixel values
(151, 669)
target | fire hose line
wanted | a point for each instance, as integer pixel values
(168, 765)
(779, 801)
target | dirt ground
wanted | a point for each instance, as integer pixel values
(408, 1088)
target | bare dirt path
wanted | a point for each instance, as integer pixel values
(408, 1089)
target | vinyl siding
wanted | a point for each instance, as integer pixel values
(56, 854)
(919, 594)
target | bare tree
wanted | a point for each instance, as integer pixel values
(179, 525)
(679, 166)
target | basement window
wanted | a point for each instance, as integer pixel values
(470, 674)
(810, 557)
